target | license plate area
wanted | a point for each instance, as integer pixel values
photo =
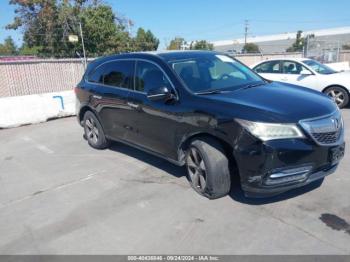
(336, 154)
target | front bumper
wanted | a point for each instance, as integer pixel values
(273, 167)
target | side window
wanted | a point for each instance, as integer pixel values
(116, 73)
(96, 75)
(187, 67)
(149, 76)
(291, 67)
(272, 67)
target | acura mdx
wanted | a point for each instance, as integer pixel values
(211, 113)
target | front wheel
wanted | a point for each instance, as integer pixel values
(339, 95)
(208, 168)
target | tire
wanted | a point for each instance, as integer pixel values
(339, 94)
(93, 131)
(208, 168)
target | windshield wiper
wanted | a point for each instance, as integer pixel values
(254, 85)
(209, 92)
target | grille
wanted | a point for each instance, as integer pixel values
(327, 130)
(326, 138)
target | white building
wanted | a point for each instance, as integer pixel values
(324, 39)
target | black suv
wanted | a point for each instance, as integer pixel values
(213, 114)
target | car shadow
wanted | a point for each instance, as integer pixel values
(148, 158)
(236, 192)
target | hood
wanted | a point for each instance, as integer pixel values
(276, 102)
(344, 76)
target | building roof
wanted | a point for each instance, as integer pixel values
(284, 36)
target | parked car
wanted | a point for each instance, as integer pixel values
(214, 115)
(308, 73)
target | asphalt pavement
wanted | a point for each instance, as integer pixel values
(60, 196)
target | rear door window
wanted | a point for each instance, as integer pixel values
(116, 73)
(271, 67)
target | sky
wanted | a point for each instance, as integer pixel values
(216, 20)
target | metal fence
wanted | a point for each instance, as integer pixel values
(324, 51)
(19, 78)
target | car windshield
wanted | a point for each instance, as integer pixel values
(319, 68)
(214, 73)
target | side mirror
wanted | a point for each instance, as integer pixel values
(158, 94)
(305, 72)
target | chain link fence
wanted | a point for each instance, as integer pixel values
(324, 51)
(19, 78)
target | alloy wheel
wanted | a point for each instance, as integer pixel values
(196, 169)
(337, 95)
(92, 132)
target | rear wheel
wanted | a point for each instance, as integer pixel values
(208, 168)
(93, 131)
(339, 95)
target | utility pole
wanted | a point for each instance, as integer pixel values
(246, 27)
(82, 43)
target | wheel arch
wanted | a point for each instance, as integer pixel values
(83, 110)
(186, 141)
(336, 85)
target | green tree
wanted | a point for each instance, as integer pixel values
(250, 48)
(145, 41)
(299, 43)
(100, 30)
(346, 47)
(30, 51)
(8, 47)
(47, 24)
(202, 45)
(176, 43)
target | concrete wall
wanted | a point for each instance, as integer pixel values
(250, 59)
(31, 109)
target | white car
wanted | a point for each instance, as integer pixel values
(308, 73)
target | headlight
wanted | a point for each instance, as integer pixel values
(267, 131)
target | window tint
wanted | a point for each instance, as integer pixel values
(291, 67)
(117, 73)
(149, 76)
(272, 67)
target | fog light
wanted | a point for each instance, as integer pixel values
(288, 175)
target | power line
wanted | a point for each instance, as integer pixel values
(301, 22)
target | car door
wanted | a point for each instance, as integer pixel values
(154, 123)
(270, 70)
(297, 74)
(111, 83)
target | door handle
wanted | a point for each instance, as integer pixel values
(132, 105)
(97, 97)
(284, 79)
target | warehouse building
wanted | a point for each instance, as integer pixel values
(321, 42)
